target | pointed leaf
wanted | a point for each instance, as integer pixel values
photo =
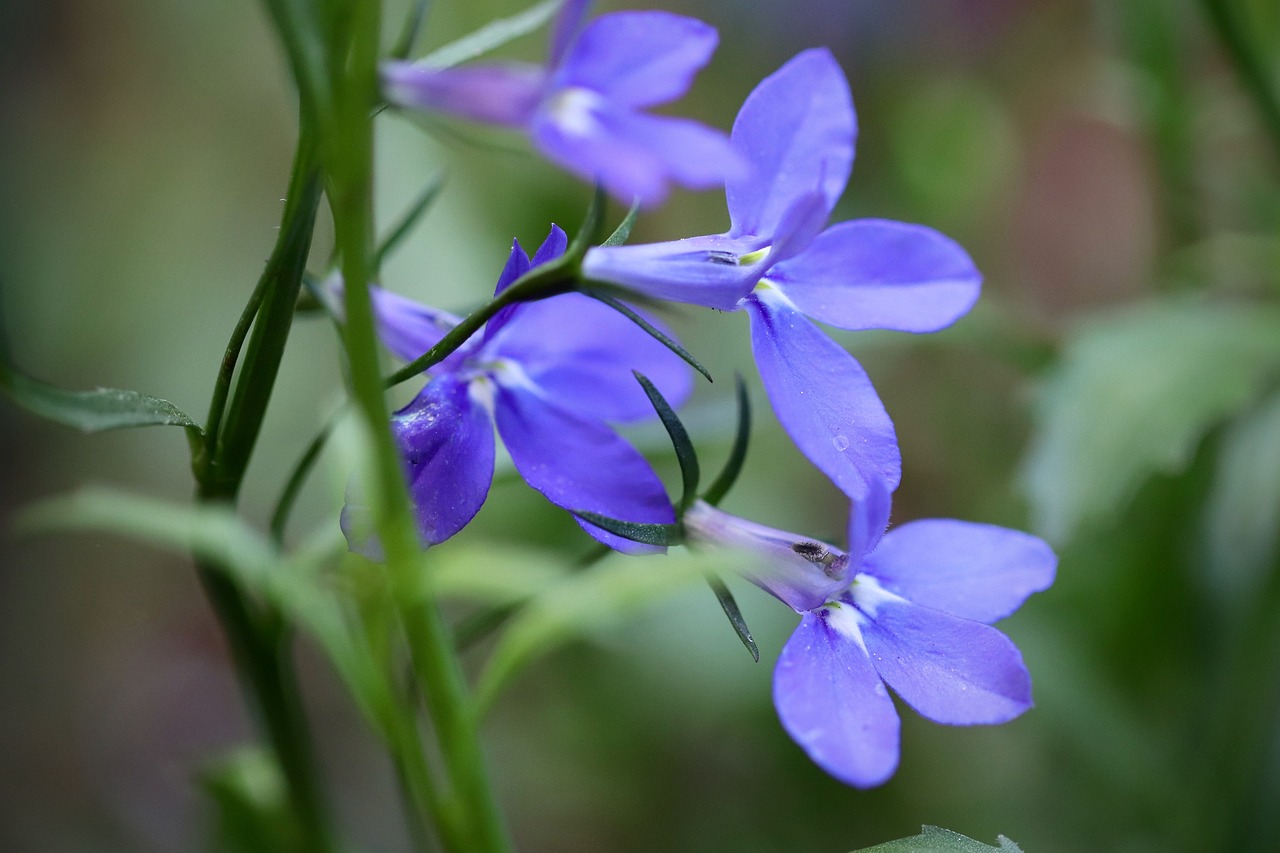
(92, 411)
(636, 531)
(730, 607)
(410, 218)
(1133, 394)
(661, 337)
(584, 602)
(623, 231)
(934, 840)
(738, 453)
(687, 456)
(413, 22)
(493, 35)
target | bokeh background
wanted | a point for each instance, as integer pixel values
(1117, 390)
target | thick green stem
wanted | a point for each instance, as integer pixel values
(468, 798)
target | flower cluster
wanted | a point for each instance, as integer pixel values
(910, 608)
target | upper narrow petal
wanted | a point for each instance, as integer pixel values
(446, 446)
(505, 95)
(977, 571)
(698, 270)
(579, 463)
(581, 354)
(868, 519)
(824, 400)
(566, 27)
(638, 58)
(831, 701)
(518, 263)
(949, 669)
(796, 131)
(877, 274)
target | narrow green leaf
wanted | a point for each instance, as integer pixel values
(934, 840)
(738, 453)
(657, 334)
(493, 35)
(636, 531)
(685, 454)
(212, 532)
(730, 607)
(623, 231)
(91, 411)
(1133, 394)
(591, 225)
(298, 476)
(412, 30)
(582, 603)
(1241, 537)
(420, 206)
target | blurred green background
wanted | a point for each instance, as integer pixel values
(1117, 390)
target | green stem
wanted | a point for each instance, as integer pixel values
(546, 280)
(260, 648)
(349, 159)
(260, 643)
(1250, 66)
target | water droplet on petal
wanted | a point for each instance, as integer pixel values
(841, 443)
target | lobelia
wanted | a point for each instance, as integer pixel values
(796, 131)
(548, 375)
(911, 609)
(585, 109)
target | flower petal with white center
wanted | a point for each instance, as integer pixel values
(831, 701)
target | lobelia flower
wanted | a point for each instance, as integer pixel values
(548, 374)
(911, 610)
(796, 130)
(584, 110)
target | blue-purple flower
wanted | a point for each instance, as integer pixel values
(548, 375)
(910, 610)
(796, 131)
(585, 109)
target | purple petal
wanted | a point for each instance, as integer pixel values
(581, 354)
(579, 463)
(552, 247)
(506, 95)
(831, 701)
(823, 399)
(951, 670)
(800, 224)
(800, 572)
(518, 264)
(638, 59)
(796, 130)
(446, 444)
(976, 571)
(868, 519)
(698, 270)
(632, 154)
(877, 274)
(409, 328)
(567, 24)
